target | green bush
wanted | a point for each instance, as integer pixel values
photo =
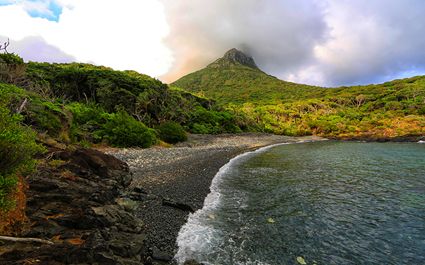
(122, 130)
(85, 113)
(45, 116)
(199, 129)
(171, 132)
(86, 119)
(92, 124)
(17, 149)
(205, 121)
(12, 69)
(10, 58)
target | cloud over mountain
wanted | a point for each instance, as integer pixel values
(331, 42)
(279, 34)
(321, 42)
(36, 49)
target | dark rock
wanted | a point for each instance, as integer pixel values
(178, 205)
(234, 57)
(82, 162)
(139, 190)
(103, 258)
(161, 256)
(81, 205)
(192, 262)
(127, 244)
(110, 215)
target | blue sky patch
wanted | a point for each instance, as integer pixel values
(50, 10)
(55, 10)
(6, 2)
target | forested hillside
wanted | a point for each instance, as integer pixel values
(60, 105)
(392, 109)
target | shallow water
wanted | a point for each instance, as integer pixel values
(324, 202)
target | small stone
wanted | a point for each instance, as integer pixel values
(160, 255)
(192, 262)
(271, 220)
(127, 204)
(301, 261)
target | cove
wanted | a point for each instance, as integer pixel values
(320, 202)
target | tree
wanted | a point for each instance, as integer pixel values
(3, 47)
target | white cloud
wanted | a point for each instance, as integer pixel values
(279, 34)
(125, 34)
(321, 42)
(369, 42)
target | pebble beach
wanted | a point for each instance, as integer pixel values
(182, 174)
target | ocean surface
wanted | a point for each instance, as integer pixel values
(314, 203)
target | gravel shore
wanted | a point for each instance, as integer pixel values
(177, 180)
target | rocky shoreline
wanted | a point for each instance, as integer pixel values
(177, 180)
(78, 205)
(121, 206)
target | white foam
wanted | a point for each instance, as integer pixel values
(421, 142)
(197, 235)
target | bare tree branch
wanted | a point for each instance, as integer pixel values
(22, 106)
(4, 46)
(28, 239)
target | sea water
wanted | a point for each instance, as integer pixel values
(314, 203)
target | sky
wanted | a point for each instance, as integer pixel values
(318, 42)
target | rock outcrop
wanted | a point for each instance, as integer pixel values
(78, 200)
(235, 57)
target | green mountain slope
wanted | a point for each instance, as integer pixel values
(392, 109)
(236, 78)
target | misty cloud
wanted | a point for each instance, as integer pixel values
(332, 42)
(370, 41)
(279, 34)
(319, 42)
(36, 49)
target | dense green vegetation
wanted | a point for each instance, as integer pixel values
(392, 109)
(171, 132)
(81, 103)
(237, 83)
(60, 104)
(104, 90)
(17, 147)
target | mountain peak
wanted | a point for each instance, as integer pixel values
(235, 56)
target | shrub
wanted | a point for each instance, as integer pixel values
(86, 120)
(122, 130)
(12, 69)
(17, 148)
(205, 121)
(10, 58)
(45, 116)
(171, 132)
(228, 122)
(199, 129)
(85, 113)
